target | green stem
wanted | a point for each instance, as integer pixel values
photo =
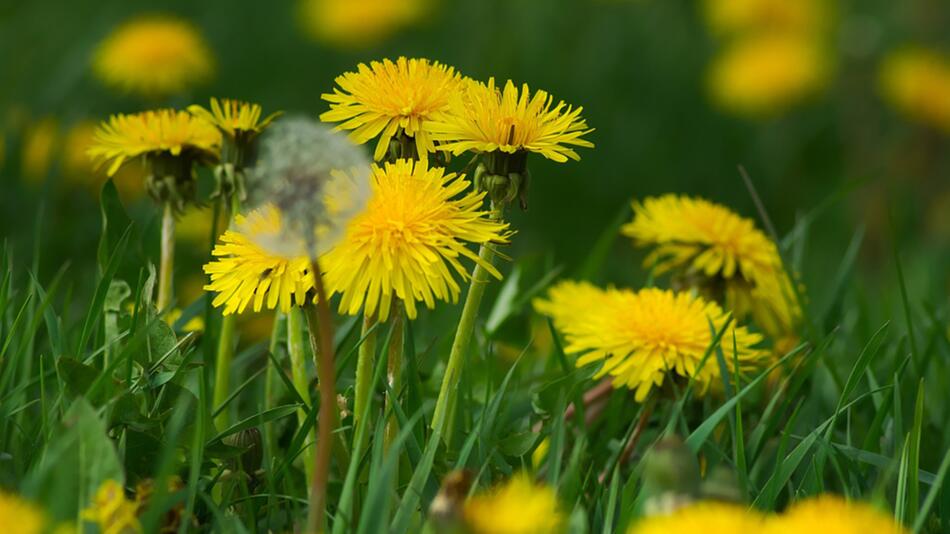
(364, 369)
(320, 323)
(270, 379)
(393, 376)
(298, 374)
(222, 369)
(445, 405)
(167, 263)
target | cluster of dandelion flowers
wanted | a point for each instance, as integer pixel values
(350, 24)
(154, 56)
(642, 337)
(21, 515)
(152, 133)
(388, 98)
(709, 245)
(917, 83)
(765, 74)
(316, 178)
(832, 514)
(245, 274)
(518, 506)
(706, 517)
(410, 239)
(484, 118)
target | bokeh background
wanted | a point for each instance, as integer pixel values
(846, 146)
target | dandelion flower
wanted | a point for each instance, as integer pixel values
(387, 98)
(733, 259)
(235, 119)
(642, 337)
(19, 516)
(153, 56)
(764, 75)
(518, 506)
(831, 514)
(704, 517)
(243, 273)
(411, 237)
(358, 24)
(39, 146)
(112, 511)
(729, 17)
(166, 131)
(483, 118)
(917, 83)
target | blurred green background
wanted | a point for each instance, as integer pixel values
(842, 159)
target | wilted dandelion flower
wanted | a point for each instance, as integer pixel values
(801, 17)
(112, 511)
(483, 118)
(766, 74)
(39, 147)
(19, 516)
(358, 23)
(153, 56)
(519, 506)
(642, 337)
(831, 514)
(315, 178)
(705, 518)
(244, 274)
(412, 236)
(917, 83)
(388, 99)
(708, 245)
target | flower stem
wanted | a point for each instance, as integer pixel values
(393, 376)
(222, 369)
(445, 404)
(364, 368)
(320, 326)
(298, 374)
(167, 263)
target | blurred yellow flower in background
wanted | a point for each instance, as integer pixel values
(518, 506)
(409, 240)
(484, 118)
(112, 511)
(389, 98)
(703, 518)
(736, 17)
(194, 225)
(39, 148)
(916, 82)
(831, 514)
(644, 336)
(764, 75)
(153, 56)
(358, 23)
(19, 516)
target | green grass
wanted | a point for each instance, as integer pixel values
(95, 386)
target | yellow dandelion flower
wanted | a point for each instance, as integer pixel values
(704, 517)
(234, 118)
(642, 337)
(387, 98)
(39, 146)
(917, 83)
(831, 514)
(244, 273)
(411, 236)
(482, 118)
(125, 137)
(729, 17)
(358, 24)
(112, 511)
(153, 56)
(733, 257)
(19, 516)
(766, 74)
(518, 506)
